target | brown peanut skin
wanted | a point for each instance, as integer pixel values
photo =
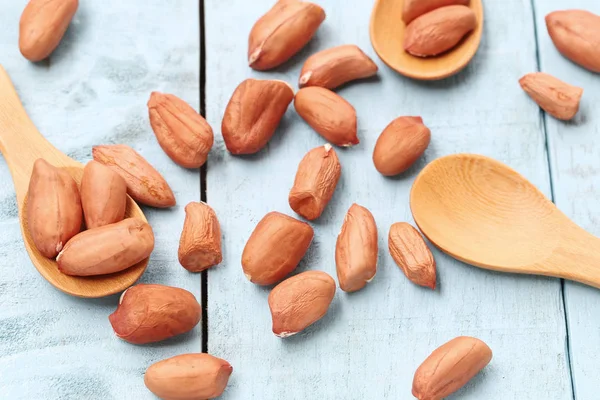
(200, 242)
(144, 183)
(576, 35)
(336, 66)
(438, 31)
(107, 249)
(183, 134)
(450, 367)
(280, 33)
(254, 113)
(275, 248)
(54, 213)
(300, 301)
(416, 8)
(43, 25)
(194, 376)
(356, 249)
(151, 313)
(554, 96)
(330, 115)
(401, 143)
(411, 254)
(317, 176)
(103, 195)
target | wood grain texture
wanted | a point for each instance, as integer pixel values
(476, 208)
(93, 90)
(370, 343)
(574, 149)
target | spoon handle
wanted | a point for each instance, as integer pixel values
(20, 142)
(578, 258)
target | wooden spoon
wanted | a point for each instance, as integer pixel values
(387, 38)
(482, 212)
(21, 144)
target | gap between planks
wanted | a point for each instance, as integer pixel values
(203, 189)
(543, 118)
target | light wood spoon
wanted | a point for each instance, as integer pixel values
(484, 213)
(22, 144)
(387, 38)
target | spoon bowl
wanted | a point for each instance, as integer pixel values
(21, 144)
(484, 213)
(387, 37)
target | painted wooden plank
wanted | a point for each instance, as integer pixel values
(574, 149)
(370, 343)
(94, 90)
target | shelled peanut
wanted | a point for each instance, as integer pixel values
(54, 213)
(317, 176)
(192, 376)
(151, 313)
(103, 195)
(182, 133)
(144, 183)
(107, 249)
(200, 242)
(275, 248)
(356, 249)
(254, 113)
(300, 301)
(554, 96)
(439, 30)
(336, 66)
(576, 35)
(280, 33)
(43, 25)
(415, 8)
(330, 115)
(411, 254)
(450, 367)
(400, 144)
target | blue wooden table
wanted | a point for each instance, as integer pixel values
(545, 333)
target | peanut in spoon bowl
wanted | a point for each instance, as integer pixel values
(484, 213)
(387, 36)
(21, 144)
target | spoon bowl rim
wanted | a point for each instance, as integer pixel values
(107, 284)
(450, 250)
(472, 41)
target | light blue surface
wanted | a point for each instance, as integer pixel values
(574, 150)
(94, 90)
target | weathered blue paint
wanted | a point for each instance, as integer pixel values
(93, 90)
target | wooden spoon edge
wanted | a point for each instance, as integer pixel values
(80, 286)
